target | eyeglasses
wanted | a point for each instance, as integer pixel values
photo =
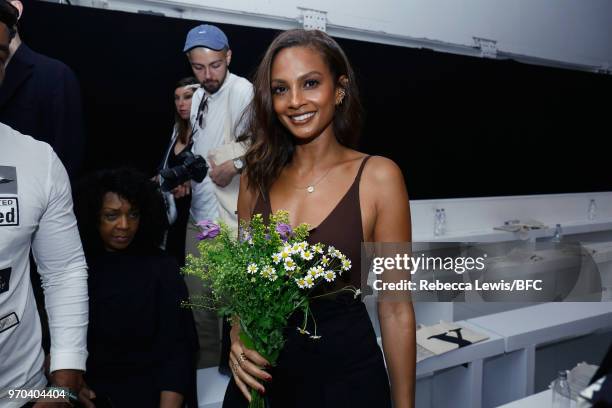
(200, 115)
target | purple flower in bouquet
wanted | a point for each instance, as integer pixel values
(209, 230)
(284, 230)
(243, 234)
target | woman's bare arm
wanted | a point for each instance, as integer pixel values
(392, 224)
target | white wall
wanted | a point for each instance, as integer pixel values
(567, 31)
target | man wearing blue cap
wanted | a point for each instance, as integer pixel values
(217, 119)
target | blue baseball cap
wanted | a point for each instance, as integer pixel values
(206, 35)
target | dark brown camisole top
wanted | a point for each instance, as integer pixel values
(342, 228)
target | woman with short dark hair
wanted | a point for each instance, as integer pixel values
(141, 341)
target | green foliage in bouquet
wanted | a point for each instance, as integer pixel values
(263, 276)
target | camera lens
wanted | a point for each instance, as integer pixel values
(192, 168)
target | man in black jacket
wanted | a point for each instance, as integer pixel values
(41, 97)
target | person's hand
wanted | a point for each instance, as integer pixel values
(72, 379)
(246, 366)
(86, 394)
(182, 190)
(223, 173)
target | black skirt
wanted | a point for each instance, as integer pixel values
(344, 368)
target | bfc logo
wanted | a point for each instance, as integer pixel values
(9, 203)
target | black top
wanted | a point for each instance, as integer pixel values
(175, 240)
(345, 366)
(342, 228)
(140, 340)
(41, 97)
(173, 159)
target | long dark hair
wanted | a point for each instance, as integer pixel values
(183, 126)
(132, 186)
(272, 145)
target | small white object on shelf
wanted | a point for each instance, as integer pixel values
(561, 394)
(521, 225)
(444, 337)
(586, 396)
(592, 214)
(442, 221)
(437, 220)
(558, 234)
(580, 376)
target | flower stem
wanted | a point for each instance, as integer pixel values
(257, 400)
(346, 288)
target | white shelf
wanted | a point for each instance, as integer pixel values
(540, 400)
(547, 322)
(491, 235)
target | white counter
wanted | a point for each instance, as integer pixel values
(540, 400)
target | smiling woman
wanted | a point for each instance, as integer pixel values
(303, 124)
(305, 105)
(299, 87)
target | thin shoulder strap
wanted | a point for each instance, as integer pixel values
(363, 162)
(263, 206)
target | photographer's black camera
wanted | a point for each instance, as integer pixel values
(193, 167)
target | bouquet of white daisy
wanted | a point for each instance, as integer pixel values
(262, 277)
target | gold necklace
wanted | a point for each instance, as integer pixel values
(311, 187)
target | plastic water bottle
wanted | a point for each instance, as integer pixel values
(561, 393)
(442, 221)
(558, 234)
(592, 214)
(437, 219)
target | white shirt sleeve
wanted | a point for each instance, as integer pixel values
(241, 100)
(61, 264)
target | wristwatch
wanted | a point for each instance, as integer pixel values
(238, 164)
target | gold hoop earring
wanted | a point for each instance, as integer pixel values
(340, 98)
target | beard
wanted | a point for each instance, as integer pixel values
(213, 85)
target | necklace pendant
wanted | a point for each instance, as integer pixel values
(310, 189)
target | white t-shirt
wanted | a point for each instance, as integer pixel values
(36, 211)
(231, 99)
